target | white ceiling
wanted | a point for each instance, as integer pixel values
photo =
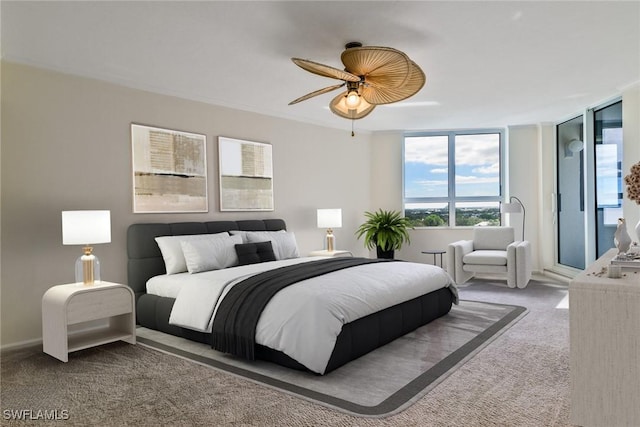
(487, 63)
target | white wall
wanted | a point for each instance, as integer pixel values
(523, 182)
(66, 145)
(546, 179)
(631, 151)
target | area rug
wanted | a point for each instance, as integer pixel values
(380, 383)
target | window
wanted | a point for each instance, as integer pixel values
(453, 178)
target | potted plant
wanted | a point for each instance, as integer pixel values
(384, 230)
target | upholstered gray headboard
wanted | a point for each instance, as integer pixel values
(145, 259)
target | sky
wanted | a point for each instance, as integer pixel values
(477, 171)
(608, 174)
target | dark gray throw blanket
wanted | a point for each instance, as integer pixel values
(234, 326)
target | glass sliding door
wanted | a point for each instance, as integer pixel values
(608, 173)
(570, 193)
(589, 184)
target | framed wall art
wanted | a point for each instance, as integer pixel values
(169, 170)
(246, 175)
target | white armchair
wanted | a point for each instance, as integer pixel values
(492, 250)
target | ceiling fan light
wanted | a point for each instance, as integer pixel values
(352, 100)
(338, 106)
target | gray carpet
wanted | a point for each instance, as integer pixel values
(521, 378)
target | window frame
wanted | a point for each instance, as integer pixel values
(451, 199)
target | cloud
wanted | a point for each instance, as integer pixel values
(493, 169)
(443, 170)
(432, 150)
(430, 182)
(460, 179)
(471, 150)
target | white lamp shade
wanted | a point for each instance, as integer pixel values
(86, 227)
(575, 145)
(510, 208)
(329, 218)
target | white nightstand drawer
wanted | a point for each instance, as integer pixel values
(86, 306)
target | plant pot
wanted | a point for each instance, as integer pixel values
(384, 254)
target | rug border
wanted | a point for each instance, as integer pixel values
(395, 403)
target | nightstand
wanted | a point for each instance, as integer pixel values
(75, 317)
(330, 253)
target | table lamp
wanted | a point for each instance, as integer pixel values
(86, 228)
(330, 219)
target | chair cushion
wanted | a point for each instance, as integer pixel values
(491, 269)
(486, 258)
(492, 237)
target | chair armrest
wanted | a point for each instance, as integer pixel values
(524, 264)
(464, 246)
(455, 253)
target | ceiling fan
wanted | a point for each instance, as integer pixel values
(373, 75)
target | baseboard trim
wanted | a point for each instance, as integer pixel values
(559, 276)
(21, 345)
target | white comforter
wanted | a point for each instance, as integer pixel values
(304, 319)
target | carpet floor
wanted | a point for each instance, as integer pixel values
(520, 379)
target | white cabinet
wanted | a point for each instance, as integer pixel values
(75, 317)
(605, 347)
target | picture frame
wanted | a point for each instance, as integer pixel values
(169, 170)
(246, 175)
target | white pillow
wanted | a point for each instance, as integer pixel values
(171, 249)
(210, 254)
(284, 243)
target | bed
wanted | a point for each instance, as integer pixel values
(355, 337)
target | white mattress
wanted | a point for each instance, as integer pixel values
(167, 285)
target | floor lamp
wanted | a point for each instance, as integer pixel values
(512, 207)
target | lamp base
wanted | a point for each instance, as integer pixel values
(330, 241)
(87, 268)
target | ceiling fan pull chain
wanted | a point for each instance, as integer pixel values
(352, 132)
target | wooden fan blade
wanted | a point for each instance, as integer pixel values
(316, 93)
(325, 70)
(383, 66)
(338, 106)
(380, 95)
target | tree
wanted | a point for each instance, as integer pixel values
(433, 220)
